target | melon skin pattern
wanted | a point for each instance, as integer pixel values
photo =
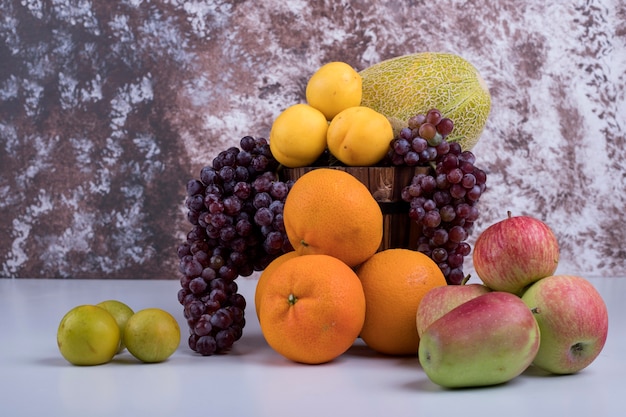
(404, 86)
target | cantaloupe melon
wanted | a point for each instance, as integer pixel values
(404, 86)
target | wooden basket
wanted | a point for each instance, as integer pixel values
(385, 184)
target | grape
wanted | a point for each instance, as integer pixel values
(455, 260)
(263, 216)
(429, 154)
(481, 176)
(416, 121)
(467, 156)
(440, 237)
(197, 285)
(457, 234)
(443, 148)
(447, 213)
(262, 199)
(405, 133)
(431, 218)
(468, 181)
(455, 148)
(433, 116)
(474, 193)
(279, 190)
(419, 144)
(457, 191)
(225, 339)
(248, 143)
(259, 163)
(235, 209)
(203, 326)
(401, 146)
(195, 202)
(455, 276)
(443, 201)
(194, 187)
(221, 319)
(464, 248)
(439, 255)
(428, 183)
(445, 126)
(411, 158)
(454, 176)
(417, 213)
(427, 131)
(204, 345)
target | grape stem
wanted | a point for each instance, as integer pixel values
(454, 138)
(467, 278)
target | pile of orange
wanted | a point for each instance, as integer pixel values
(329, 211)
(314, 302)
(312, 308)
(394, 282)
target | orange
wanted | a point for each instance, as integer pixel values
(394, 282)
(328, 211)
(312, 309)
(263, 278)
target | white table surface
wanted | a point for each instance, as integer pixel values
(253, 380)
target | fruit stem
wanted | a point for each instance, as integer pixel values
(467, 278)
(292, 299)
(535, 310)
(332, 161)
(454, 138)
(509, 214)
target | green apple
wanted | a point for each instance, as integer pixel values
(573, 319)
(440, 300)
(121, 313)
(487, 340)
(88, 335)
(152, 335)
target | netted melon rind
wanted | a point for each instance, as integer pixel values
(404, 86)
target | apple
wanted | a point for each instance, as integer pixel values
(515, 252)
(487, 340)
(573, 320)
(440, 300)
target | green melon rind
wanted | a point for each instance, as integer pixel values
(404, 86)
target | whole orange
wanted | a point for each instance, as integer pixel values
(394, 282)
(263, 278)
(312, 309)
(328, 211)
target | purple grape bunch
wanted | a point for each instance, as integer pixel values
(443, 200)
(235, 209)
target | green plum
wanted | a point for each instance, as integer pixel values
(88, 335)
(152, 335)
(121, 313)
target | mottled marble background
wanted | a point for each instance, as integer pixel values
(107, 108)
